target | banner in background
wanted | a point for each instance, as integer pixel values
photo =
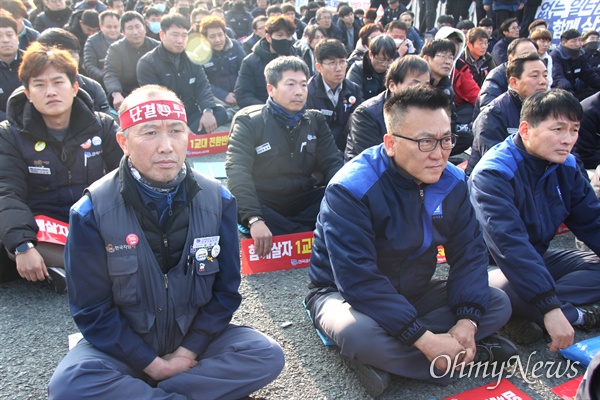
(562, 15)
(51, 230)
(211, 143)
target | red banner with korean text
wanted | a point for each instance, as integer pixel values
(568, 390)
(212, 143)
(492, 391)
(51, 230)
(287, 252)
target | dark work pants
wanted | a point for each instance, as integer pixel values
(501, 16)
(430, 13)
(359, 336)
(459, 9)
(577, 282)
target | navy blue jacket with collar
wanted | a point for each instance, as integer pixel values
(366, 126)
(376, 242)
(349, 98)
(223, 67)
(520, 200)
(496, 122)
(565, 70)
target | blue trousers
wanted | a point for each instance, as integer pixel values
(577, 282)
(359, 336)
(238, 362)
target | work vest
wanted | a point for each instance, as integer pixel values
(159, 307)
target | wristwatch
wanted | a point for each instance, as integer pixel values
(23, 248)
(207, 110)
(253, 220)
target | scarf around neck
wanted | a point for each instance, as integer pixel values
(282, 116)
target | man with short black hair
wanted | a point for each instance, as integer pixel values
(510, 32)
(258, 32)
(522, 190)
(408, 17)
(289, 11)
(152, 17)
(83, 24)
(96, 46)
(373, 258)
(18, 12)
(369, 73)
(589, 44)
(569, 65)
(117, 6)
(168, 65)
(480, 62)
(527, 75)
(366, 126)
(10, 60)
(250, 86)
(120, 67)
(330, 92)
(280, 156)
(398, 30)
(349, 27)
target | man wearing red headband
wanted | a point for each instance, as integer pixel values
(153, 274)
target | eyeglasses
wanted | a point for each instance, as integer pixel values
(512, 28)
(384, 63)
(449, 57)
(428, 144)
(335, 64)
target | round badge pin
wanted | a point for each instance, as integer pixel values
(96, 141)
(40, 146)
(132, 239)
(201, 255)
(351, 99)
(215, 251)
(201, 267)
(87, 144)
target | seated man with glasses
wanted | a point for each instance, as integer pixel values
(374, 255)
(329, 91)
(369, 73)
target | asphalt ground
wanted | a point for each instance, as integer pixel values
(35, 323)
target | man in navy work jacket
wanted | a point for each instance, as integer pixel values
(374, 253)
(522, 190)
(153, 275)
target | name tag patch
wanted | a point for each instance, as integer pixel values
(39, 170)
(262, 148)
(328, 113)
(192, 80)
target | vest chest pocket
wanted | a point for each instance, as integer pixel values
(123, 271)
(204, 277)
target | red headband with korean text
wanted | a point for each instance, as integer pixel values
(150, 111)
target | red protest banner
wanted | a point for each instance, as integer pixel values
(504, 391)
(287, 252)
(441, 255)
(212, 143)
(51, 230)
(568, 390)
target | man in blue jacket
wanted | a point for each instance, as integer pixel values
(522, 190)
(374, 253)
(153, 274)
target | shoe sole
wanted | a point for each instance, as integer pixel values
(375, 381)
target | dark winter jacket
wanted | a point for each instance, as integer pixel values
(94, 55)
(185, 78)
(495, 83)
(223, 68)
(39, 174)
(344, 29)
(364, 75)
(251, 87)
(500, 50)
(366, 126)
(120, 66)
(390, 15)
(565, 70)
(588, 143)
(52, 19)
(9, 81)
(239, 22)
(266, 163)
(495, 123)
